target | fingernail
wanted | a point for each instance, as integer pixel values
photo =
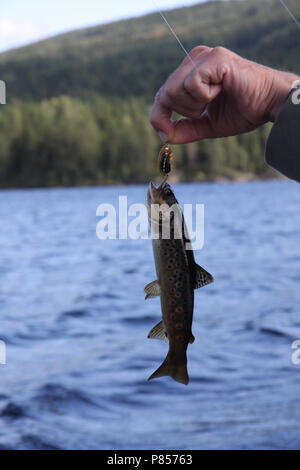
(163, 136)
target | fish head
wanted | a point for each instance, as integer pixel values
(161, 202)
(161, 194)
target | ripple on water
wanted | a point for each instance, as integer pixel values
(13, 411)
(73, 314)
(57, 397)
(32, 442)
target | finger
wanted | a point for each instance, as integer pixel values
(190, 130)
(196, 53)
(173, 93)
(204, 82)
(160, 119)
(173, 97)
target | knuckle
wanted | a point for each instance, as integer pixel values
(221, 51)
(198, 49)
(157, 95)
(170, 93)
(191, 84)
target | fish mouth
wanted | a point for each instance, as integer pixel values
(154, 191)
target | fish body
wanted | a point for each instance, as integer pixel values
(177, 277)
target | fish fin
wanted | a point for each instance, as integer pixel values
(192, 339)
(178, 371)
(202, 277)
(159, 332)
(152, 289)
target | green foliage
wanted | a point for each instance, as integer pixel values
(78, 103)
(66, 141)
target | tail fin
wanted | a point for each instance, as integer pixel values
(178, 371)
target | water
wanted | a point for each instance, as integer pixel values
(75, 323)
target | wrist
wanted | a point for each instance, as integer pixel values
(281, 85)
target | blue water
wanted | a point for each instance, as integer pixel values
(75, 323)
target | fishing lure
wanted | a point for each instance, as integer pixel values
(164, 160)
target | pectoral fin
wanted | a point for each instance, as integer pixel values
(202, 277)
(159, 332)
(152, 289)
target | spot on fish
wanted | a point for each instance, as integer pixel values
(178, 309)
(178, 284)
(178, 326)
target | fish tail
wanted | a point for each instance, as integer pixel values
(176, 370)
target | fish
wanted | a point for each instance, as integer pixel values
(178, 276)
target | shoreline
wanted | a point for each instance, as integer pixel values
(174, 179)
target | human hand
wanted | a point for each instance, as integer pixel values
(219, 94)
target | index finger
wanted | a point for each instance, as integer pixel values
(160, 118)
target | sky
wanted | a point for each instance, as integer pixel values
(25, 21)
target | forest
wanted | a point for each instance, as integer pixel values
(78, 103)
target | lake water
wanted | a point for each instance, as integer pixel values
(75, 324)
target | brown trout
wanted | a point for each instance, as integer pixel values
(177, 277)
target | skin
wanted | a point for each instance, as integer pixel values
(220, 94)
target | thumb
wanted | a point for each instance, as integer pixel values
(189, 130)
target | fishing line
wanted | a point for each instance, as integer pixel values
(173, 32)
(290, 13)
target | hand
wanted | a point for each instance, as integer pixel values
(219, 94)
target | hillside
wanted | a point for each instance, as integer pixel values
(78, 103)
(133, 57)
